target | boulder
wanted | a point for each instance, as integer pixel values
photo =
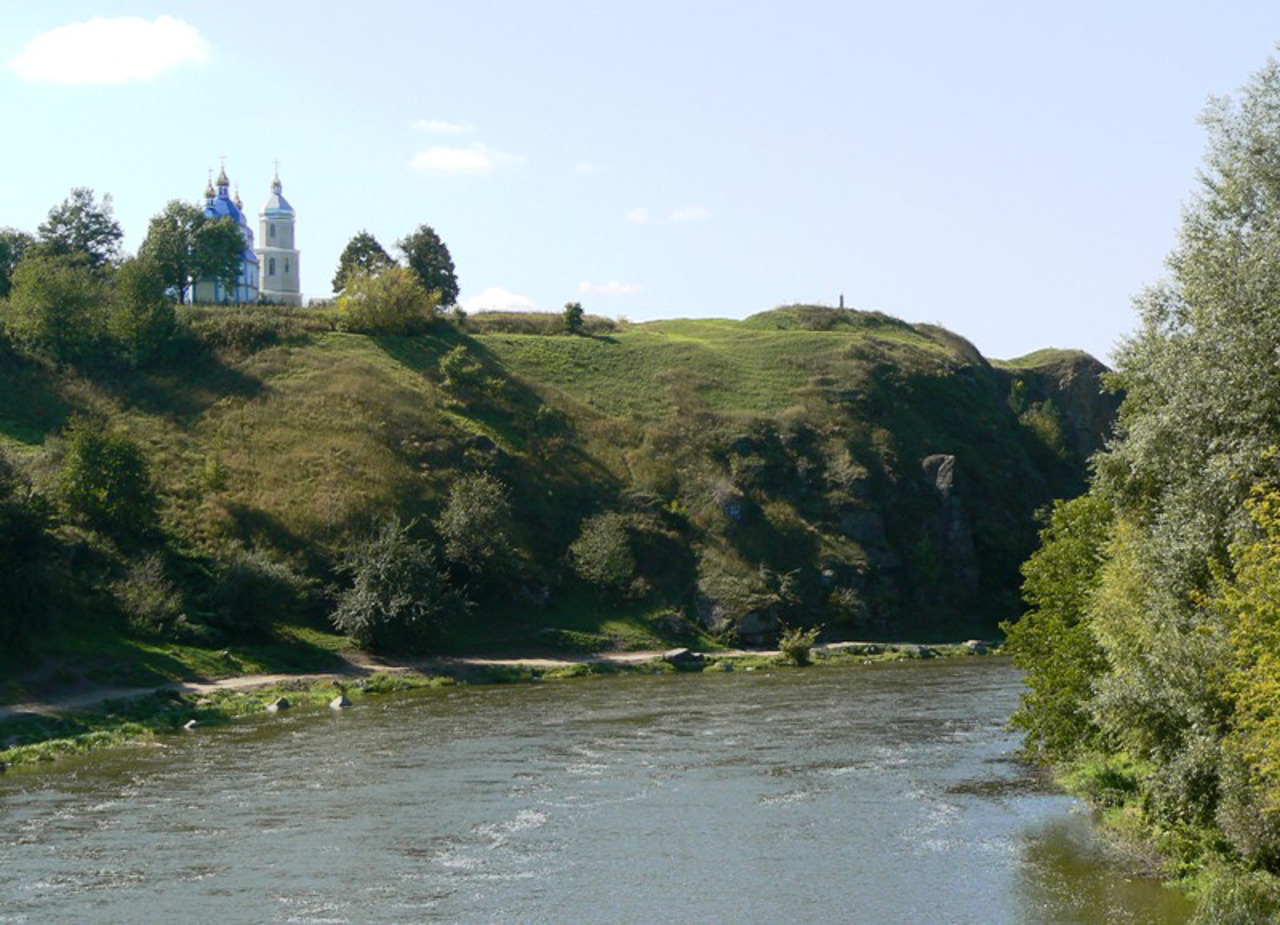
(683, 658)
(337, 703)
(280, 703)
(976, 647)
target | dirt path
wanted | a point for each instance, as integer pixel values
(358, 665)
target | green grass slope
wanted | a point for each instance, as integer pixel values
(768, 471)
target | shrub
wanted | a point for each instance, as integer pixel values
(393, 301)
(26, 552)
(252, 591)
(460, 371)
(140, 318)
(476, 526)
(1239, 899)
(150, 601)
(602, 555)
(797, 644)
(103, 481)
(573, 317)
(56, 307)
(397, 595)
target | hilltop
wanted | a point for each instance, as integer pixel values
(686, 481)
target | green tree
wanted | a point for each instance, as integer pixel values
(82, 227)
(219, 248)
(476, 526)
(397, 596)
(391, 302)
(186, 246)
(1054, 642)
(14, 245)
(428, 256)
(363, 254)
(104, 481)
(141, 318)
(56, 307)
(573, 316)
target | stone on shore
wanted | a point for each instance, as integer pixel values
(337, 703)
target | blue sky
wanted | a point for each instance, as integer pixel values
(1012, 170)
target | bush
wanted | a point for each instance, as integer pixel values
(476, 526)
(797, 644)
(397, 595)
(393, 301)
(56, 308)
(1240, 899)
(252, 591)
(104, 482)
(141, 318)
(460, 371)
(150, 601)
(602, 555)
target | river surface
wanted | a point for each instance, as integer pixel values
(874, 794)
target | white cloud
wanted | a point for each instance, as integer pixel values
(615, 287)
(638, 216)
(476, 158)
(111, 51)
(440, 127)
(586, 167)
(690, 214)
(495, 298)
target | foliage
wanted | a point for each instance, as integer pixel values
(14, 245)
(150, 599)
(185, 246)
(397, 597)
(1238, 898)
(363, 254)
(1053, 642)
(56, 307)
(26, 551)
(796, 645)
(476, 525)
(104, 480)
(428, 256)
(83, 229)
(460, 371)
(602, 552)
(253, 591)
(390, 302)
(573, 317)
(141, 319)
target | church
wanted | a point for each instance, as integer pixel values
(268, 273)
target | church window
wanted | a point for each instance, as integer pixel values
(271, 231)
(286, 266)
(271, 266)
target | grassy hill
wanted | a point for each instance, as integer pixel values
(766, 471)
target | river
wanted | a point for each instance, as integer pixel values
(874, 794)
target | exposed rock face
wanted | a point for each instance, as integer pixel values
(1073, 383)
(949, 525)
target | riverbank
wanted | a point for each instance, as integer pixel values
(80, 718)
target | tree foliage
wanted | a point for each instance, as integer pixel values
(141, 319)
(391, 302)
(602, 555)
(14, 245)
(1154, 629)
(397, 596)
(26, 552)
(186, 246)
(363, 254)
(104, 481)
(83, 228)
(476, 525)
(428, 256)
(573, 317)
(56, 307)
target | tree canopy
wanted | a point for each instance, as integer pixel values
(428, 256)
(14, 245)
(1152, 623)
(82, 227)
(186, 246)
(363, 254)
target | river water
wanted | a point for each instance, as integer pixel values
(874, 794)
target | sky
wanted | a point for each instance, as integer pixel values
(1013, 171)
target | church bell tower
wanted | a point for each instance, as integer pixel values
(277, 249)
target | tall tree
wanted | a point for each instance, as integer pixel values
(185, 246)
(428, 256)
(83, 228)
(362, 254)
(14, 245)
(140, 317)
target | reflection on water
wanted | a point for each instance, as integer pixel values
(876, 794)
